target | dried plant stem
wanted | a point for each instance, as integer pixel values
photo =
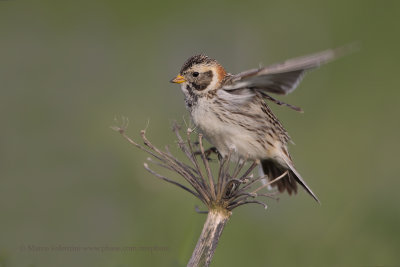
(220, 194)
(208, 240)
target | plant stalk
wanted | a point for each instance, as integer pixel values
(208, 240)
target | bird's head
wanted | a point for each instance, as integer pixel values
(200, 75)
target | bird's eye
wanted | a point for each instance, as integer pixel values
(195, 74)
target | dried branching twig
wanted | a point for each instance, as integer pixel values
(229, 190)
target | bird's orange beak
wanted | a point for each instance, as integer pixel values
(178, 79)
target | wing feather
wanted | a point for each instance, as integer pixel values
(284, 77)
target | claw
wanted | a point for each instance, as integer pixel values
(208, 152)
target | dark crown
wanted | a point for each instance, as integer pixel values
(197, 59)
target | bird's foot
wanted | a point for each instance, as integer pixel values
(207, 153)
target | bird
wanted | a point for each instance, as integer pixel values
(232, 113)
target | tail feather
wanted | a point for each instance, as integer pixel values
(289, 183)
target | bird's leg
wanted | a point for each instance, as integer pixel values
(208, 152)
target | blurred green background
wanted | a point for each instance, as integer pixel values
(67, 68)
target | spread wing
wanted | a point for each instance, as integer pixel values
(284, 77)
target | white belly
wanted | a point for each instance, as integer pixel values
(228, 136)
